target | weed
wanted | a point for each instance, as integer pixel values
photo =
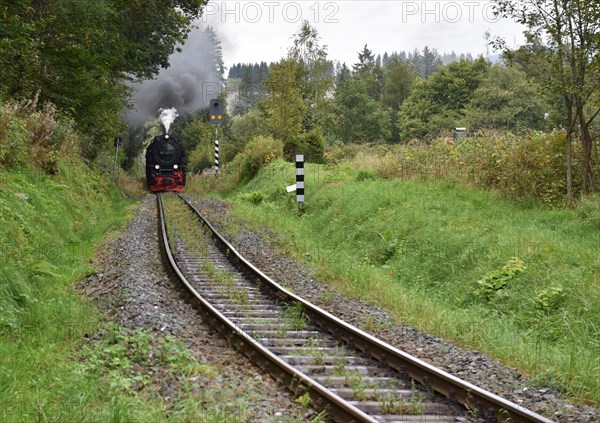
(240, 296)
(495, 283)
(373, 325)
(549, 300)
(254, 197)
(304, 400)
(296, 316)
(226, 277)
(209, 269)
(393, 404)
(339, 365)
(326, 297)
(182, 224)
(322, 417)
(318, 357)
(356, 382)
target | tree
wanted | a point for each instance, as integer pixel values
(399, 80)
(317, 77)
(385, 60)
(416, 60)
(356, 116)
(343, 73)
(245, 93)
(438, 104)
(366, 61)
(284, 108)
(370, 71)
(568, 31)
(211, 38)
(429, 63)
(505, 99)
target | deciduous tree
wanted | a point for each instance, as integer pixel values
(506, 99)
(438, 104)
(568, 31)
(284, 108)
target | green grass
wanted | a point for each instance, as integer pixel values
(48, 229)
(511, 279)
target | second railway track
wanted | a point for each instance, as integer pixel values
(345, 372)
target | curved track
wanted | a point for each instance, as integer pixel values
(346, 372)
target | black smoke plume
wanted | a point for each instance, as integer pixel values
(188, 84)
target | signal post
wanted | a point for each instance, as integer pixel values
(216, 118)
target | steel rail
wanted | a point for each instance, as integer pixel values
(295, 380)
(471, 396)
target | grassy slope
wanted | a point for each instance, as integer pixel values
(48, 229)
(419, 250)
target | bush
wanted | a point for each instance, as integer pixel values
(241, 130)
(365, 175)
(202, 157)
(259, 152)
(14, 138)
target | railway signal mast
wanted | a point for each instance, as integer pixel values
(216, 118)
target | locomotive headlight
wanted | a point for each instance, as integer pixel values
(175, 167)
(166, 136)
(156, 167)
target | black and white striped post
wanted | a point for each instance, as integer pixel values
(300, 180)
(216, 118)
(216, 150)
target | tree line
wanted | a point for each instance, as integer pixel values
(393, 99)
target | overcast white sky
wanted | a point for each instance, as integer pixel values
(253, 31)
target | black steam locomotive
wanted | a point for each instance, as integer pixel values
(166, 164)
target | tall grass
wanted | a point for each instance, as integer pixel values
(524, 167)
(517, 281)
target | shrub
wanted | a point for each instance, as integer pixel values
(550, 299)
(494, 284)
(14, 137)
(259, 152)
(365, 175)
(202, 157)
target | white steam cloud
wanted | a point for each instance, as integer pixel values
(187, 84)
(167, 117)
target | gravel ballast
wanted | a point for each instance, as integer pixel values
(133, 289)
(260, 248)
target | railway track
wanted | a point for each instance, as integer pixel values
(344, 371)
